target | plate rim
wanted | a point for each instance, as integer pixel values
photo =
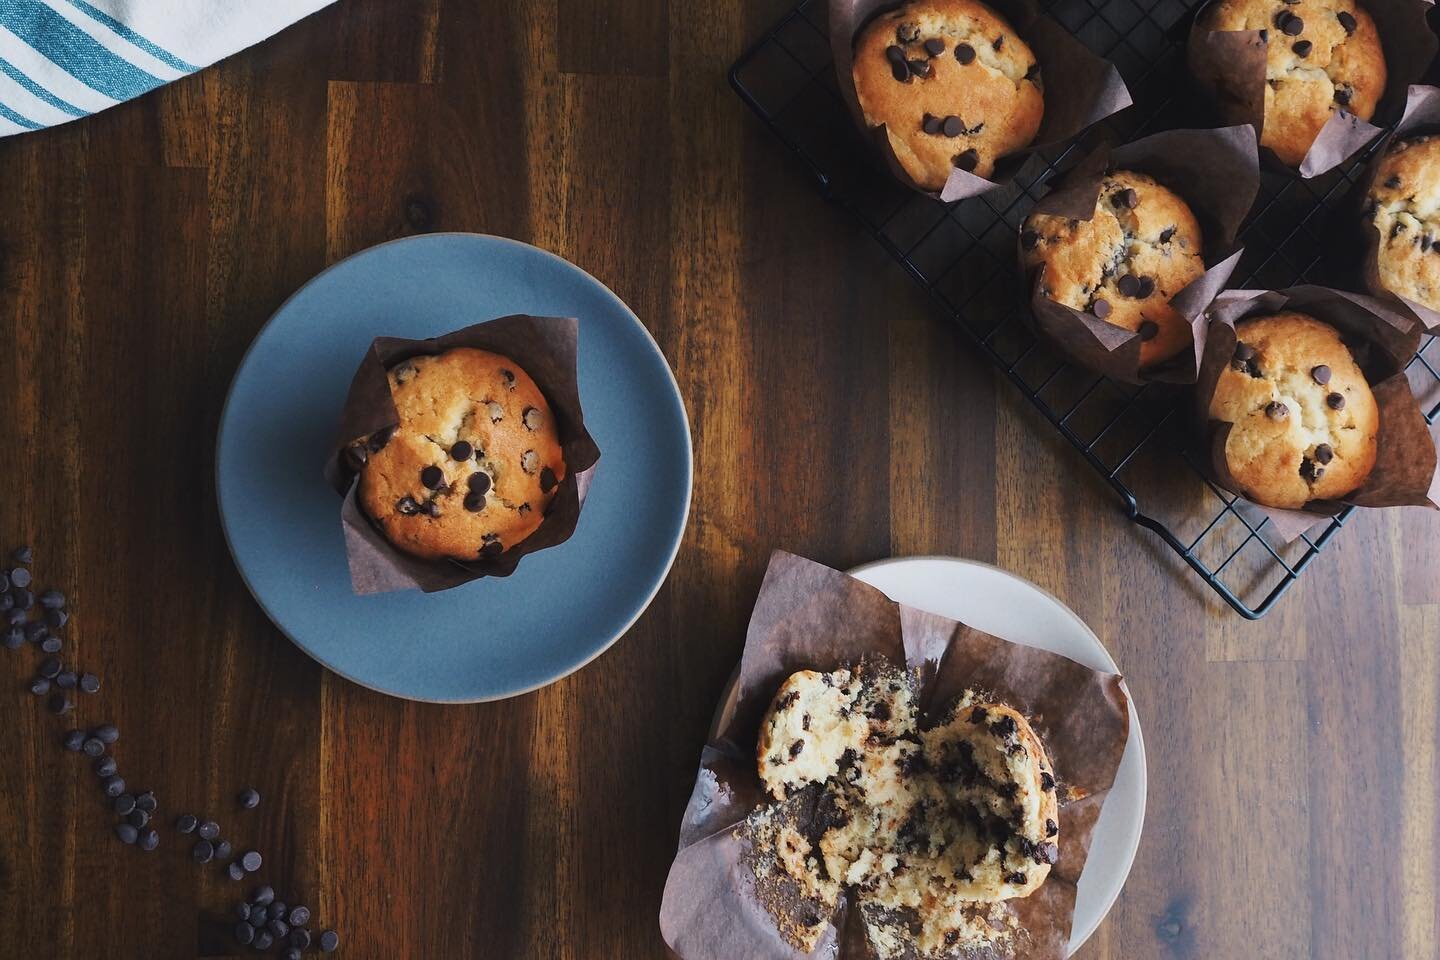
(1134, 736)
(679, 537)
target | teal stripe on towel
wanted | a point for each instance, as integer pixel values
(14, 117)
(155, 50)
(75, 51)
(16, 74)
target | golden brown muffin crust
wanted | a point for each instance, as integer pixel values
(473, 463)
(1404, 206)
(953, 84)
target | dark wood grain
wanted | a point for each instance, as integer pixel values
(1294, 768)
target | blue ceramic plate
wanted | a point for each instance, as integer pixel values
(494, 637)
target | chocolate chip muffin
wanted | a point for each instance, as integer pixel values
(1125, 263)
(954, 85)
(1304, 420)
(1320, 56)
(1404, 207)
(473, 463)
(924, 825)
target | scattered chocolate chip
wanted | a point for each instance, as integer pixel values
(52, 599)
(59, 703)
(114, 786)
(93, 748)
(1309, 471)
(920, 68)
(998, 42)
(978, 715)
(209, 830)
(1392, 182)
(223, 849)
(1335, 401)
(67, 678)
(1017, 878)
(235, 871)
(1293, 27)
(406, 506)
(964, 53)
(55, 619)
(107, 733)
(50, 668)
(1302, 48)
(479, 483)
(1051, 828)
(900, 70)
(432, 477)
(968, 160)
(934, 46)
(105, 767)
(1129, 285)
(299, 917)
(1029, 239)
(89, 683)
(14, 638)
(1126, 199)
(146, 801)
(259, 916)
(39, 686)
(249, 798)
(251, 861)
(264, 940)
(1343, 95)
(474, 502)
(931, 124)
(186, 823)
(1347, 20)
(953, 126)
(491, 546)
(1147, 287)
(547, 480)
(462, 450)
(149, 840)
(19, 577)
(203, 851)
(430, 508)
(895, 54)
(1244, 352)
(1324, 453)
(278, 928)
(1320, 374)
(1277, 410)
(1047, 781)
(244, 934)
(126, 833)
(263, 896)
(329, 941)
(139, 819)
(1148, 330)
(75, 741)
(23, 555)
(1003, 727)
(1100, 308)
(1167, 234)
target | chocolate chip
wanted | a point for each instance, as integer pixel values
(406, 506)
(244, 934)
(998, 42)
(968, 160)
(1129, 285)
(55, 619)
(1324, 453)
(249, 798)
(1148, 330)
(52, 599)
(89, 683)
(1343, 95)
(14, 638)
(251, 861)
(1347, 20)
(1167, 234)
(263, 896)
(203, 851)
(186, 823)
(430, 508)
(104, 767)
(299, 917)
(150, 841)
(1003, 727)
(329, 941)
(223, 849)
(259, 916)
(278, 928)
(379, 439)
(895, 54)
(900, 71)
(953, 126)
(209, 830)
(934, 46)
(19, 577)
(139, 819)
(1302, 48)
(1029, 239)
(50, 668)
(978, 715)
(1147, 287)
(93, 748)
(1335, 401)
(35, 631)
(547, 480)
(107, 733)
(39, 686)
(23, 555)
(964, 53)
(1276, 410)
(114, 786)
(264, 940)
(462, 450)
(920, 68)
(1320, 374)
(75, 741)
(59, 703)
(67, 679)
(474, 502)
(126, 833)
(1293, 27)
(1126, 199)
(491, 547)
(1100, 308)
(1050, 827)
(294, 953)
(432, 477)
(235, 872)
(1047, 781)
(1244, 352)
(1017, 878)
(931, 124)
(1309, 471)
(22, 598)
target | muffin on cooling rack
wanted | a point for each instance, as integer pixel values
(1123, 265)
(1403, 207)
(1304, 421)
(473, 463)
(1320, 56)
(953, 84)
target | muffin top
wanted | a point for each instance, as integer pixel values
(952, 82)
(473, 463)
(1304, 420)
(1141, 247)
(1404, 206)
(1320, 56)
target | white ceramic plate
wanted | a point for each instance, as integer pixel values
(1014, 609)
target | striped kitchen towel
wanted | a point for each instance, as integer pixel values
(63, 59)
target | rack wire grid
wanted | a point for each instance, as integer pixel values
(963, 255)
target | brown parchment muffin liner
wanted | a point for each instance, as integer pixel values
(808, 616)
(1217, 174)
(1382, 341)
(1229, 67)
(1421, 116)
(545, 348)
(1079, 88)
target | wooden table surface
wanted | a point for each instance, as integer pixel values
(1293, 764)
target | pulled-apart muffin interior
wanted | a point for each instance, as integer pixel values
(929, 826)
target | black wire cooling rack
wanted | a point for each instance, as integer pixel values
(963, 255)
